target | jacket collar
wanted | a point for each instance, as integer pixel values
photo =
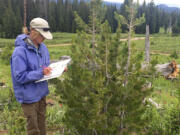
(30, 44)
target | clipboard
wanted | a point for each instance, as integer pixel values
(57, 70)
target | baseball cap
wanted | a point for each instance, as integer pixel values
(42, 27)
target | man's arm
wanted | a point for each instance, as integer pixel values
(20, 73)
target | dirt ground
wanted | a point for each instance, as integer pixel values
(4, 132)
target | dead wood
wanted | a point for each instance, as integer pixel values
(169, 70)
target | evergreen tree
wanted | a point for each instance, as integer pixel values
(43, 8)
(123, 10)
(151, 16)
(32, 10)
(68, 16)
(74, 8)
(60, 19)
(17, 23)
(97, 100)
(124, 13)
(2, 9)
(110, 17)
(8, 22)
(52, 16)
(141, 10)
(83, 11)
(131, 22)
(157, 21)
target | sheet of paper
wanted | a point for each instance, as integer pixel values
(57, 69)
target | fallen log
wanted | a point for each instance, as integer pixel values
(61, 58)
(168, 70)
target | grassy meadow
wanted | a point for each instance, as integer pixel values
(162, 46)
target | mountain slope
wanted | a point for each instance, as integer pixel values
(168, 9)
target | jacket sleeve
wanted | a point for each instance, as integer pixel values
(48, 57)
(19, 70)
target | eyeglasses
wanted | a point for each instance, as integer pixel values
(46, 29)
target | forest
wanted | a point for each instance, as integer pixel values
(60, 15)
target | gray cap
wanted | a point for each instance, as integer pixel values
(42, 27)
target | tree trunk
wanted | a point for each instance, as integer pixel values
(147, 46)
(129, 48)
(25, 3)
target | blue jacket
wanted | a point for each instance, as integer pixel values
(27, 64)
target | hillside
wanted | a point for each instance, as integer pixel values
(168, 9)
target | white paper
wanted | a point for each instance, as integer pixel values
(57, 69)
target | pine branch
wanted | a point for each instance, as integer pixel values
(80, 23)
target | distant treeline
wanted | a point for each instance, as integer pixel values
(59, 14)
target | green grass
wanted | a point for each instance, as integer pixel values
(4, 42)
(60, 38)
(165, 44)
(165, 91)
(57, 52)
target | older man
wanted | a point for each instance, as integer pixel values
(29, 63)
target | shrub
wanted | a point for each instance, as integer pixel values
(13, 121)
(174, 55)
(5, 55)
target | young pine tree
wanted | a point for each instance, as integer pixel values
(98, 102)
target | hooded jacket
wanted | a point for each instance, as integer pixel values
(27, 63)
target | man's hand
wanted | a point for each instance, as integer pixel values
(47, 71)
(66, 69)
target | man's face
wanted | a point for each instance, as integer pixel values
(39, 39)
(36, 37)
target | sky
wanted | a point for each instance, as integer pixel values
(170, 3)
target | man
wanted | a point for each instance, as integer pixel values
(29, 63)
